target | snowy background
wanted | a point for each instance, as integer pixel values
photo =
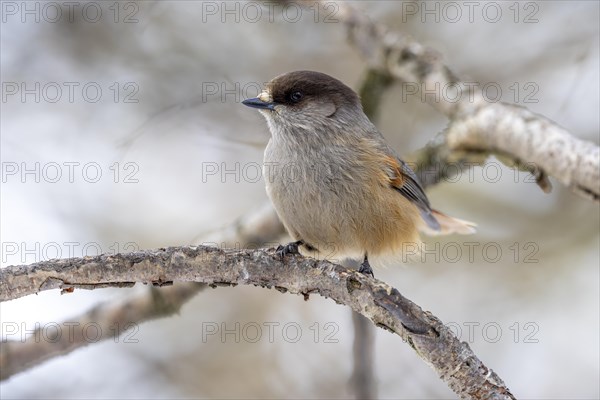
(112, 108)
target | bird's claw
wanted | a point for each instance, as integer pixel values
(290, 248)
(365, 268)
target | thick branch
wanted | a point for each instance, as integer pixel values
(116, 317)
(477, 125)
(530, 138)
(454, 361)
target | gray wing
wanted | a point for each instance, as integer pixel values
(411, 189)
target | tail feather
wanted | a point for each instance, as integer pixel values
(449, 225)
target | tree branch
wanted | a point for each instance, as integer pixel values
(476, 125)
(363, 370)
(454, 361)
(109, 321)
(115, 318)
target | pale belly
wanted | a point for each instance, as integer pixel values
(338, 214)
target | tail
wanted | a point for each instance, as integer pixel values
(448, 225)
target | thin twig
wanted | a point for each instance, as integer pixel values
(103, 322)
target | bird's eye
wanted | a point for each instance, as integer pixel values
(296, 96)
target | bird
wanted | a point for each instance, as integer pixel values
(337, 186)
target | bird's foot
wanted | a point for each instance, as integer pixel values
(365, 268)
(290, 248)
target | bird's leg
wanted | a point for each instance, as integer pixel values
(365, 268)
(290, 248)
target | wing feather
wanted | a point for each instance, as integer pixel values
(404, 180)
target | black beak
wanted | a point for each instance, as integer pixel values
(258, 103)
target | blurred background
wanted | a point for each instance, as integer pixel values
(115, 115)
